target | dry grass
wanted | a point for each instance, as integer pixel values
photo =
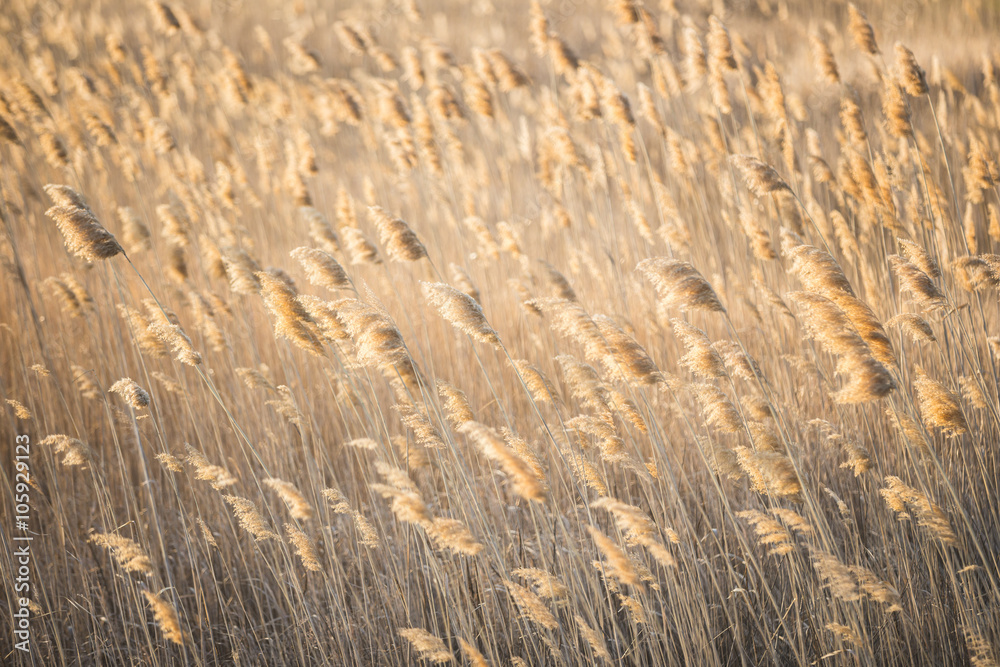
(503, 333)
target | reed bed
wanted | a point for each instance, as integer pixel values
(490, 333)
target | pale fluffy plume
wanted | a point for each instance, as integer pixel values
(170, 462)
(817, 269)
(627, 359)
(939, 407)
(139, 325)
(242, 270)
(524, 480)
(638, 528)
(250, 518)
(320, 229)
(131, 392)
(324, 315)
(256, 378)
(679, 283)
(629, 411)
(910, 430)
(585, 384)
(528, 453)
(472, 654)
(166, 617)
(904, 499)
(770, 473)
(400, 242)
(981, 653)
(761, 178)
(570, 319)
(463, 280)
(976, 272)
(454, 535)
(541, 388)
(825, 61)
(919, 256)
(136, 234)
(216, 475)
(127, 552)
(917, 283)
(180, 343)
(914, 325)
(322, 269)
(700, 357)
(417, 420)
(531, 606)
(68, 299)
(285, 406)
(461, 310)
(616, 562)
(74, 452)
(305, 547)
(719, 411)
(793, 520)
(770, 533)
(836, 576)
(858, 459)
(297, 504)
(867, 378)
(377, 340)
(292, 321)
(545, 584)
(207, 533)
(20, 411)
(366, 531)
(594, 638)
(360, 248)
(84, 236)
(862, 30)
(338, 502)
(427, 646)
(407, 504)
(456, 403)
(973, 393)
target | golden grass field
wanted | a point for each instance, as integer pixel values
(501, 333)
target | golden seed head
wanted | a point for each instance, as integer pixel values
(84, 236)
(130, 390)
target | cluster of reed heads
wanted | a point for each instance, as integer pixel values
(446, 333)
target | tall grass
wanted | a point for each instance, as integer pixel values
(503, 333)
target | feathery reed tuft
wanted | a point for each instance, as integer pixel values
(84, 236)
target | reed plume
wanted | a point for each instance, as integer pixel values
(616, 562)
(679, 284)
(165, 615)
(861, 30)
(427, 646)
(250, 518)
(525, 482)
(462, 311)
(322, 269)
(128, 553)
(297, 504)
(912, 77)
(531, 606)
(131, 393)
(292, 321)
(84, 236)
(939, 407)
(304, 547)
(400, 242)
(74, 452)
(761, 178)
